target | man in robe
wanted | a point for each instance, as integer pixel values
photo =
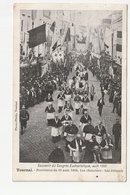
(76, 147)
(84, 120)
(100, 130)
(70, 131)
(56, 129)
(50, 113)
(57, 156)
(77, 101)
(88, 131)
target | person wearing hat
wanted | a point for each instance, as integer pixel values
(49, 98)
(24, 117)
(50, 113)
(69, 133)
(116, 130)
(76, 147)
(56, 129)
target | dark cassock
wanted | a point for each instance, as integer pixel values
(106, 149)
(85, 101)
(68, 94)
(56, 129)
(86, 76)
(92, 150)
(76, 147)
(57, 156)
(50, 113)
(84, 120)
(49, 99)
(88, 131)
(61, 98)
(65, 120)
(100, 130)
(116, 130)
(100, 104)
(24, 117)
(77, 101)
(92, 92)
(69, 108)
(70, 131)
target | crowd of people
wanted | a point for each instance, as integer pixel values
(85, 143)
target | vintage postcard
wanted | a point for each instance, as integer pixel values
(69, 92)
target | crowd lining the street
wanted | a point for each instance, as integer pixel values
(85, 143)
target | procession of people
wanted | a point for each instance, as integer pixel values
(73, 92)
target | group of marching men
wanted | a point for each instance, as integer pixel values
(93, 141)
(96, 140)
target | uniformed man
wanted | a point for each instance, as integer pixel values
(24, 117)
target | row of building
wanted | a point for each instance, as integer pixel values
(108, 37)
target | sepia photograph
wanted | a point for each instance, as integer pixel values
(69, 86)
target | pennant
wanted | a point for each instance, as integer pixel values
(37, 36)
(54, 46)
(106, 45)
(52, 28)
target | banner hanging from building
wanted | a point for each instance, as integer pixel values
(37, 36)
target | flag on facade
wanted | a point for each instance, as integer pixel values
(105, 45)
(67, 38)
(37, 36)
(118, 47)
(119, 34)
(54, 46)
(52, 28)
(34, 14)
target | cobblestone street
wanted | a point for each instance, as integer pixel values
(36, 143)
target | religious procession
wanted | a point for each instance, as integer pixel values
(70, 87)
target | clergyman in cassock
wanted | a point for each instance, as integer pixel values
(65, 120)
(92, 92)
(49, 98)
(56, 129)
(85, 101)
(60, 98)
(77, 101)
(106, 148)
(92, 151)
(100, 130)
(76, 147)
(100, 105)
(88, 131)
(68, 108)
(50, 113)
(70, 131)
(116, 130)
(68, 94)
(24, 117)
(84, 120)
